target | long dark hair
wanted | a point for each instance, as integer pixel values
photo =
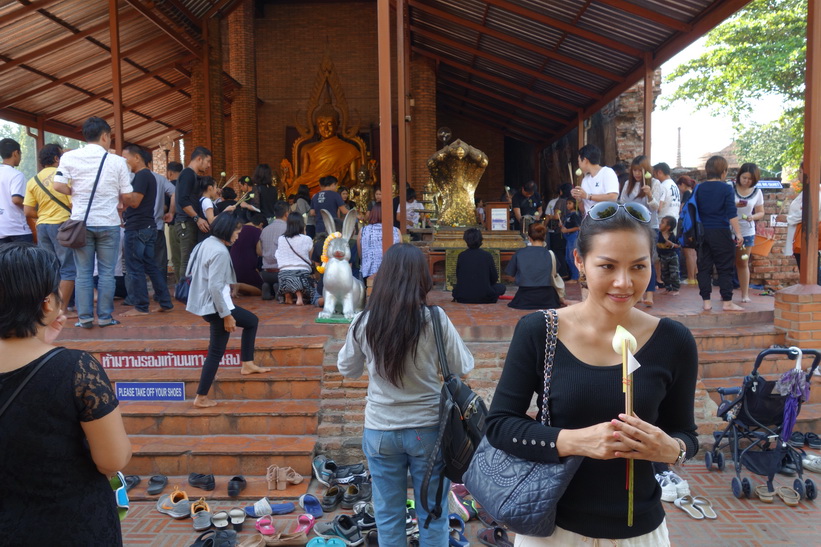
(395, 310)
(263, 175)
(294, 225)
(304, 192)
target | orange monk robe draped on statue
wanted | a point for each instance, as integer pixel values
(331, 156)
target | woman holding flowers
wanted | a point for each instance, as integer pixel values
(614, 250)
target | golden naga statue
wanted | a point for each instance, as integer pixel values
(456, 170)
(337, 151)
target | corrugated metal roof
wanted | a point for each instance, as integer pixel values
(527, 68)
(64, 76)
(560, 57)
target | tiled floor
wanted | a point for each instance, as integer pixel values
(741, 522)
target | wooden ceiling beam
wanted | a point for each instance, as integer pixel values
(155, 96)
(174, 32)
(503, 99)
(566, 27)
(158, 118)
(68, 78)
(498, 111)
(650, 15)
(152, 137)
(506, 63)
(193, 19)
(708, 20)
(21, 12)
(53, 46)
(217, 8)
(496, 79)
(492, 126)
(587, 67)
(28, 119)
(103, 95)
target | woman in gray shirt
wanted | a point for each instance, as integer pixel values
(393, 338)
(212, 275)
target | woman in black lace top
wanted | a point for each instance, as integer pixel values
(62, 435)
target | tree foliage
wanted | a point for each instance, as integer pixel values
(28, 145)
(767, 144)
(759, 51)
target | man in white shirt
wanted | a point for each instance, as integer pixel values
(670, 204)
(13, 225)
(76, 175)
(599, 183)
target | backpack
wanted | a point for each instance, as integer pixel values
(462, 424)
(690, 231)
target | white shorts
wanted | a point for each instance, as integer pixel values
(561, 537)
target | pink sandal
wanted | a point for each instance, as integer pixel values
(304, 523)
(265, 526)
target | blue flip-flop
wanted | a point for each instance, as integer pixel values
(311, 505)
(264, 507)
(317, 542)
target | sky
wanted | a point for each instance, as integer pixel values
(701, 133)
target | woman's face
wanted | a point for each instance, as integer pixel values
(745, 180)
(617, 268)
(235, 235)
(344, 194)
(638, 174)
(377, 196)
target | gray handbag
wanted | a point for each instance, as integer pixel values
(520, 494)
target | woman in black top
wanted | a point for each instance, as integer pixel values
(586, 400)
(267, 193)
(62, 435)
(532, 268)
(476, 275)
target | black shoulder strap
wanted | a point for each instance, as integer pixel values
(43, 360)
(50, 195)
(94, 189)
(440, 343)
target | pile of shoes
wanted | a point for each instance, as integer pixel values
(676, 490)
(279, 477)
(463, 508)
(178, 506)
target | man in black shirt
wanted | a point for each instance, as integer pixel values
(141, 235)
(189, 218)
(526, 202)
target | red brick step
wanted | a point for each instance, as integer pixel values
(242, 454)
(254, 417)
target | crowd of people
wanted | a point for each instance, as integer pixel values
(615, 233)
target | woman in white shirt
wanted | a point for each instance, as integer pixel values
(294, 258)
(647, 191)
(749, 201)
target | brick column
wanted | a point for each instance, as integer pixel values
(423, 119)
(197, 135)
(243, 146)
(215, 67)
(798, 314)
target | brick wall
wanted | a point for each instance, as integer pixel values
(423, 119)
(776, 270)
(290, 44)
(242, 141)
(215, 67)
(492, 144)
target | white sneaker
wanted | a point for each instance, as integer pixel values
(682, 486)
(668, 489)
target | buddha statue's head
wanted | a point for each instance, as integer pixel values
(326, 119)
(362, 174)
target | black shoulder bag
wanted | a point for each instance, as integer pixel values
(462, 418)
(72, 233)
(43, 360)
(50, 195)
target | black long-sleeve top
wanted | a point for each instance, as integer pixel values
(582, 395)
(187, 193)
(475, 276)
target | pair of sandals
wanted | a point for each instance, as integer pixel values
(235, 517)
(698, 507)
(216, 538)
(788, 495)
(279, 477)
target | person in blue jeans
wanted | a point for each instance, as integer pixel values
(570, 230)
(140, 237)
(394, 340)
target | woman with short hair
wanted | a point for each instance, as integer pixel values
(62, 434)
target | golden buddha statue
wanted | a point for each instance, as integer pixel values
(329, 156)
(362, 192)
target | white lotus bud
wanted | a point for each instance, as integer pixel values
(623, 335)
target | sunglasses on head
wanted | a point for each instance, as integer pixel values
(608, 209)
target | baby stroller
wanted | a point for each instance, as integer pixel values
(758, 428)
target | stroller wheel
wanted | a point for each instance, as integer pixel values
(799, 487)
(708, 460)
(746, 487)
(811, 492)
(720, 460)
(736, 486)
